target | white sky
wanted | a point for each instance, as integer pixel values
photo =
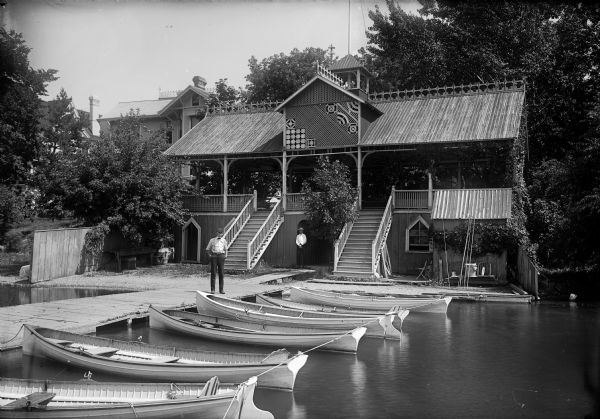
(122, 50)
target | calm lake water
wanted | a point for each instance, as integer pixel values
(477, 361)
(11, 295)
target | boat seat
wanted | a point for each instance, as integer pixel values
(211, 388)
(60, 341)
(142, 358)
(33, 400)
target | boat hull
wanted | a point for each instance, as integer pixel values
(92, 399)
(277, 372)
(237, 331)
(376, 326)
(343, 301)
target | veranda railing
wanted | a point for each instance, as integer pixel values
(382, 231)
(240, 221)
(340, 243)
(214, 203)
(262, 233)
(411, 199)
(294, 201)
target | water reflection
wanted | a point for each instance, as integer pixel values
(17, 295)
(482, 360)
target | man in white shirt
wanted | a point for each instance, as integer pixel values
(300, 242)
(217, 252)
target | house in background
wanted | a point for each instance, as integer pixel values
(409, 152)
(175, 112)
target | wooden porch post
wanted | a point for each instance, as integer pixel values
(429, 190)
(284, 180)
(359, 163)
(225, 182)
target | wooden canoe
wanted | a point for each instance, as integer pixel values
(41, 399)
(161, 363)
(382, 303)
(229, 308)
(238, 331)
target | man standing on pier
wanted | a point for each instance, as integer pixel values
(217, 252)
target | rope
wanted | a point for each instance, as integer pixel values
(233, 399)
(316, 347)
(13, 338)
(133, 408)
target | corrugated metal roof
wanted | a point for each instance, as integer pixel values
(478, 204)
(452, 118)
(232, 134)
(146, 108)
(345, 63)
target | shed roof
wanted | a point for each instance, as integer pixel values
(448, 118)
(146, 108)
(466, 204)
(233, 133)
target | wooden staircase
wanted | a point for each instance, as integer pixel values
(237, 258)
(356, 258)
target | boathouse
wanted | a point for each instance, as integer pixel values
(414, 157)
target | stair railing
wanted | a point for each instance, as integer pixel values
(262, 233)
(236, 226)
(379, 239)
(340, 243)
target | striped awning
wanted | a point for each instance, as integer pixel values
(477, 204)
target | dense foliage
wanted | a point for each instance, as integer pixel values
(125, 181)
(329, 199)
(20, 89)
(554, 46)
(277, 77)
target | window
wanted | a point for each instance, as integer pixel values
(196, 100)
(417, 236)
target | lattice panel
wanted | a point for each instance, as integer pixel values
(295, 138)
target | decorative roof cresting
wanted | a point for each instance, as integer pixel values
(466, 89)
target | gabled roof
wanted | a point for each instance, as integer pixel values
(232, 133)
(181, 94)
(349, 62)
(467, 204)
(325, 80)
(489, 115)
(147, 108)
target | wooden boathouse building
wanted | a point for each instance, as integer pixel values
(421, 160)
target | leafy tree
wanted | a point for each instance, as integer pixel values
(279, 76)
(224, 94)
(329, 199)
(127, 182)
(554, 45)
(20, 89)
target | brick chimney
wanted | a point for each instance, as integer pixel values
(199, 82)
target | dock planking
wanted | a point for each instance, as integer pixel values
(84, 315)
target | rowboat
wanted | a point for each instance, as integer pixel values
(378, 303)
(229, 308)
(31, 399)
(161, 363)
(239, 331)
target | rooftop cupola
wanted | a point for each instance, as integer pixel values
(354, 75)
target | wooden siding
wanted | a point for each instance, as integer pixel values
(208, 228)
(317, 93)
(403, 262)
(527, 273)
(282, 250)
(479, 204)
(321, 126)
(453, 118)
(57, 253)
(232, 134)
